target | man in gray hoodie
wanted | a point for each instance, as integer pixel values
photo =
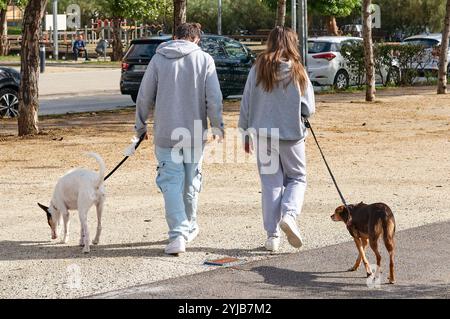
(182, 87)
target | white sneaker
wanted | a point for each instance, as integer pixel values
(272, 243)
(176, 246)
(192, 235)
(289, 226)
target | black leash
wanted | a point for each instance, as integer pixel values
(126, 157)
(308, 125)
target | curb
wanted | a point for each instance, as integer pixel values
(83, 94)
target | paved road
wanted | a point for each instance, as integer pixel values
(87, 82)
(81, 103)
(423, 259)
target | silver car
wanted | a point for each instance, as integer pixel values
(430, 62)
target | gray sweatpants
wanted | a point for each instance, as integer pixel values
(282, 169)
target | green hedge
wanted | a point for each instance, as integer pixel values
(15, 30)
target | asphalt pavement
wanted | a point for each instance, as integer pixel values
(422, 270)
(83, 103)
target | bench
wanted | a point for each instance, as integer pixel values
(260, 35)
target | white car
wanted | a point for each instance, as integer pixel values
(326, 65)
(430, 63)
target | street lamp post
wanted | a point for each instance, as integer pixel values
(219, 18)
(55, 29)
(302, 30)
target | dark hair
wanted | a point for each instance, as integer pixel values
(188, 31)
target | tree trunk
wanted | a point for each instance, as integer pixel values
(3, 31)
(368, 51)
(117, 53)
(179, 13)
(29, 72)
(281, 13)
(443, 60)
(332, 26)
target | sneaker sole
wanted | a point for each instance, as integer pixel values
(292, 238)
(174, 253)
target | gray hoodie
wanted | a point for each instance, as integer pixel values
(280, 109)
(182, 86)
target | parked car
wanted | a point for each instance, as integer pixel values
(9, 92)
(430, 62)
(327, 66)
(233, 62)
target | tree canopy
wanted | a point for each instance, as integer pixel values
(236, 15)
(412, 16)
(335, 8)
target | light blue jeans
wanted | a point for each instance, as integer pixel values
(180, 179)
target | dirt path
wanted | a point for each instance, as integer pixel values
(396, 150)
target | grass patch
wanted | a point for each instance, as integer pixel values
(107, 63)
(10, 58)
(124, 110)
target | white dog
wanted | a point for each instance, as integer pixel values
(79, 189)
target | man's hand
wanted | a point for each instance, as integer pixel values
(218, 135)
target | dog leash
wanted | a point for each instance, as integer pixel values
(308, 125)
(126, 157)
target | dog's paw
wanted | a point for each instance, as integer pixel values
(352, 269)
(368, 274)
(391, 281)
(95, 242)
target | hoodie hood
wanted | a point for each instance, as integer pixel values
(176, 49)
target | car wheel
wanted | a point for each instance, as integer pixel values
(341, 80)
(393, 76)
(9, 103)
(134, 97)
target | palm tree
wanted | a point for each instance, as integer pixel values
(443, 60)
(29, 71)
(368, 51)
(179, 13)
(281, 13)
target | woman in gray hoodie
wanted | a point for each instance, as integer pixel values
(277, 96)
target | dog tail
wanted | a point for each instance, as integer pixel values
(388, 224)
(101, 164)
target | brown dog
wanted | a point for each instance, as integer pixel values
(366, 223)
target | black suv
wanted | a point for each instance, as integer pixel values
(233, 62)
(9, 92)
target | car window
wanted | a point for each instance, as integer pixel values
(336, 47)
(427, 43)
(234, 49)
(318, 47)
(142, 50)
(213, 47)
